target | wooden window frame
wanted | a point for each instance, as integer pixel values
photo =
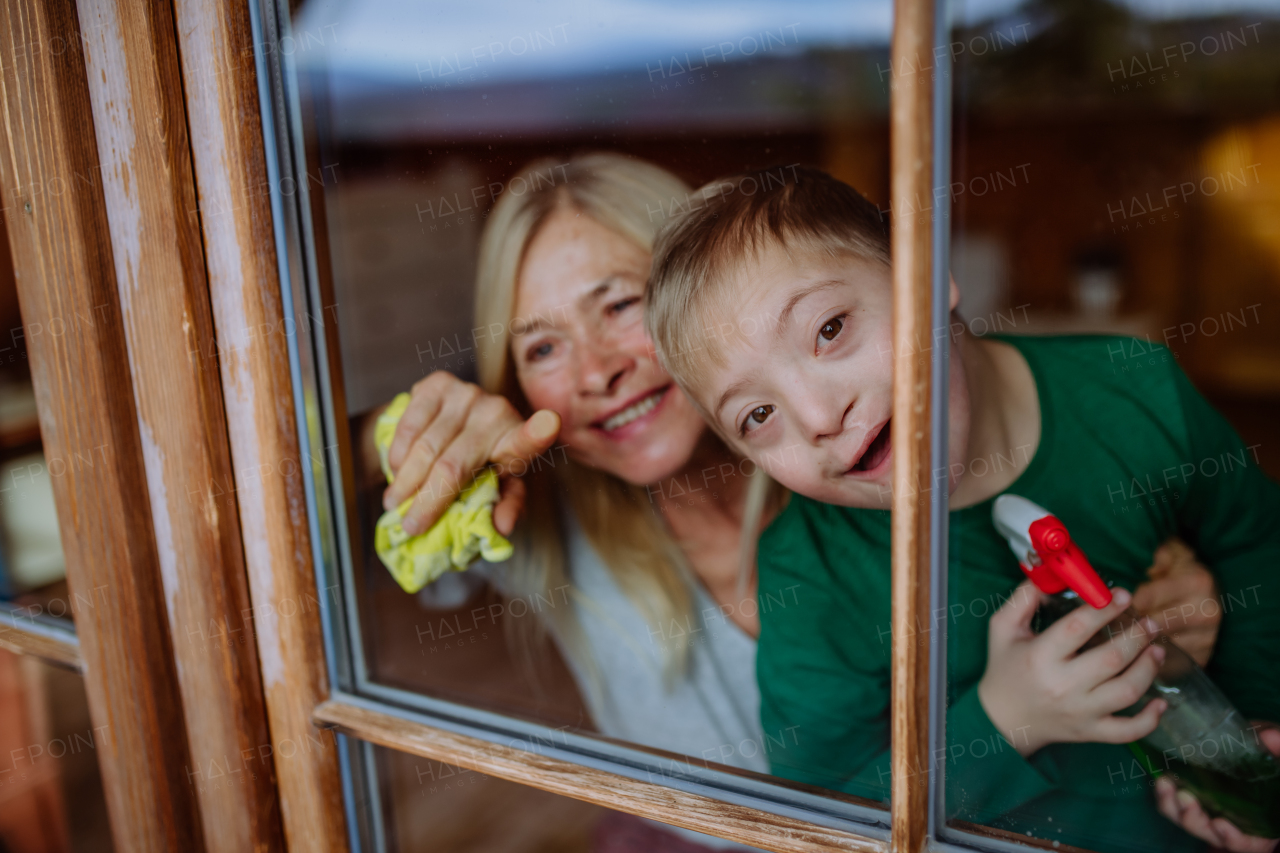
(127, 530)
(25, 634)
(109, 254)
(181, 251)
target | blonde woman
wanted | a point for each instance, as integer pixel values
(626, 496)
(644, 520)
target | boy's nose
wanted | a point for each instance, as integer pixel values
(819, 417)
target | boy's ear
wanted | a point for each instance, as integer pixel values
(955, 294)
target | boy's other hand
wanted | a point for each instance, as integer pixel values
(1182, 598)
(1040, 689)
(1185, 810)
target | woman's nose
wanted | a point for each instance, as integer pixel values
(601, 369)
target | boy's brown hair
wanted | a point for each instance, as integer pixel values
(733, 219)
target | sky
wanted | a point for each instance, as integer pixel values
(408, 40)
(396, 38)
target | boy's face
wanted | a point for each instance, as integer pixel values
(807, 387)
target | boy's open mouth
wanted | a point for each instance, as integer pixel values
(875, 454)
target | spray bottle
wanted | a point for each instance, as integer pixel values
(1202, 742)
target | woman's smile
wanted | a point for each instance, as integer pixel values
(631, 417)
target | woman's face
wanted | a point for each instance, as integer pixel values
(580, 349)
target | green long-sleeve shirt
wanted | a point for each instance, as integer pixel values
(1129, 455)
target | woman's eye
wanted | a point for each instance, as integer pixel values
(757, 416)
(538, 352)
(831, 329)
(623, 304)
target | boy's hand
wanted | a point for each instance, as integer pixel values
(1038, 690)
(1184, 809)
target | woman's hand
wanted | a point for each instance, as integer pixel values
(1185, 810)
(1182, 598)
(1037, 690)
(450, 431)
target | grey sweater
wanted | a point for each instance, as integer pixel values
(711, 715)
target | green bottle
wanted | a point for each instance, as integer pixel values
(1202, 741)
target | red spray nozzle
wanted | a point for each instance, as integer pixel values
(1064, 560)
(1045, 551)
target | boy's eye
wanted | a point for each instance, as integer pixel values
(757, 416)
(831, 328)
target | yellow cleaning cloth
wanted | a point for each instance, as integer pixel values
(464, 532)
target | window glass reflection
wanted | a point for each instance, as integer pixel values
(1112, 199)
(51, 795)
(33, 588)
(489, 182)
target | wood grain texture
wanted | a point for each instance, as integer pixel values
(135, 87)
(22, 637)
(62, 257)
(911, 167)
(647, 799)
(220, 81)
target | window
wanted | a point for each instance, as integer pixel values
(404, 139)
(351, 200)
(397, 141)
(406, 149)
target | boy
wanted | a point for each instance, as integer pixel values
(770, 304)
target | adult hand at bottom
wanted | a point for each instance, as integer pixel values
(1185, 810)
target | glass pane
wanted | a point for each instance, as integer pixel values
(431, 806)
(51, 795)
(33, 584)
(1116, 249)
(438, 147)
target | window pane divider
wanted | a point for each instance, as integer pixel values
(39, 636)
(911, 146)
(224, 95)
(940, 364)
(574, 777)
(629, 759)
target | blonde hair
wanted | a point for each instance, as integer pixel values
(732, 220)
(629, 197)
